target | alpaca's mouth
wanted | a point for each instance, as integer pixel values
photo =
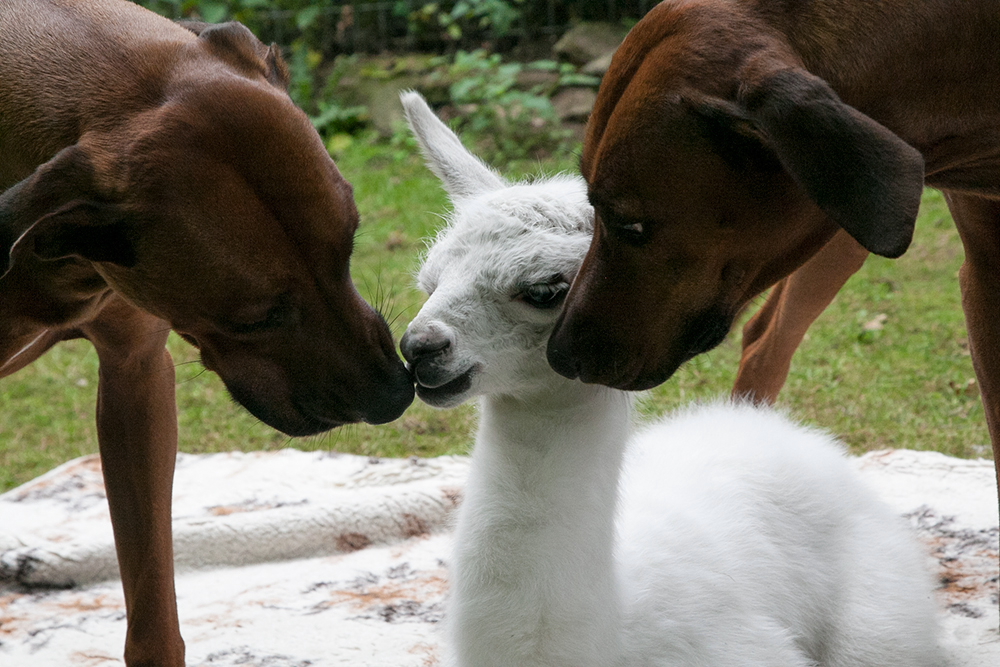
(443, 395)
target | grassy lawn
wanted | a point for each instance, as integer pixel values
(909, 384)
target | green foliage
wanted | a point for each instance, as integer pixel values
(505, 119)
(504, 122)
(330, 118)
(261, 16)
(568, 74)
(463, 20)
(302, 65)
(215, 11)
(250, 12)
(339, 26)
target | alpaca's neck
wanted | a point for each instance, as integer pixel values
(533, 575)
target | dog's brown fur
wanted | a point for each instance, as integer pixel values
(155, 177)
(732, 140)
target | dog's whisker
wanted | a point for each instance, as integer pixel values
(194, 377)
(402, 310)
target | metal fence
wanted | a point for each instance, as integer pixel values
(359, 26)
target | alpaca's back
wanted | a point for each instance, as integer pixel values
(749, 540)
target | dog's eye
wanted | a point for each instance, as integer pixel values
(277, 316)
(545, 295)
(631, 231)
(274, 319)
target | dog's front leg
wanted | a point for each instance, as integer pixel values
(137, 429)
(771, 337)
(978, 222)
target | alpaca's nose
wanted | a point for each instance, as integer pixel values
(418, 346)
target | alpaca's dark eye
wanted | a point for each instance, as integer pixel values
(545, 295)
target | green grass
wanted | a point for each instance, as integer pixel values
(903, 386)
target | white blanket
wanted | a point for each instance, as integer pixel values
(289, 559)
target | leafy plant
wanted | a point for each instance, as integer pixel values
(462, 20)
(211, 11)
(568, 74)
(302, 65)
(505, 122)
(331, 119)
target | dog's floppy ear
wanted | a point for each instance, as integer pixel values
(863, 176)
(89, 230)
(234, 43)
(56, 212)
(462, 173)
(733, 135)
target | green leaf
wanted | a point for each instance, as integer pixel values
(214, 12)
(544, 65)
(307, 16)
(339, 142)
(579, 80)
(461, 89)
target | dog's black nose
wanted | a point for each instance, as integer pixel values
(418, 346)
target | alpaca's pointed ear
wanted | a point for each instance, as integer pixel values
(462, 173)
(867, 179)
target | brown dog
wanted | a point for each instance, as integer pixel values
(733, 139)
(158, 178)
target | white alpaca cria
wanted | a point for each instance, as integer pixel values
(739, 538)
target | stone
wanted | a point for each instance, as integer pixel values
(540, 80)
(375, 83)
(586, 42)
(598, 66)
(574, 104)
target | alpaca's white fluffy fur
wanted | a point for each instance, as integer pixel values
(763, 547)
(722, 536)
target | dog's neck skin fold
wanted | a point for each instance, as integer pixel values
(537, 531)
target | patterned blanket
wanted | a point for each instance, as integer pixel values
(289, 559)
